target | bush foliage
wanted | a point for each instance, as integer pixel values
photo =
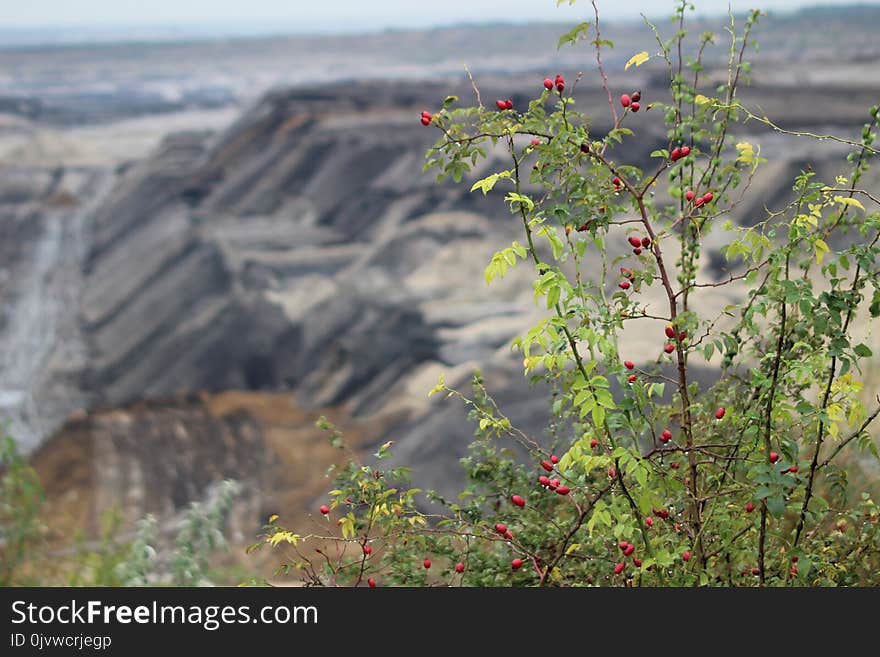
(649, 479)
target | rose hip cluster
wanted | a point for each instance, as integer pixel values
(502, 529)
(679, 152)
(701, 201)
(559, 83)
(631, 102)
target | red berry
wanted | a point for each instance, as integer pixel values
(501, 105)
(501, 528)
(593, 442)
(649, 521)
(544, 481)
(426, 563)
(686, 555)
(720, 413)
(563, 490)
(756, 571)
(554, 459)
(616, 182)
(655, 511)
(637, 96)
(685, 151)
(707, 197)
(637, 250)
(794, 559)
(623, 285)
(670, 331)
(637, 563)
(629, 549)
(548, 83)
(793, 468)
(508, 104)
(635, 107)
(368, 550)
(624, 100)
(675, 154)
(689, 195)
(619, 568)
(426, 113)
(324, 509)
(508, 535)
(516, 564)
(585, 148)
(632, 378)
(623, 545)
(774, 457)
(674, 466)
(459, 567)
(750, 507)
(682, 336)
(554, 484)
(663, 513)
(666, 436)
(699, 202)
(372, 583)
(536, 142)
(669, 348)
(634, 241)
(626, 272)
(547, 466)
(794, 570)
(677, 527)
(518, 500)
(612, 473)
(646, 242)
(628, 364)
(426, 120)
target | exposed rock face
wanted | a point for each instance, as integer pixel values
(304, 250)
(43, 237)
(155, 457)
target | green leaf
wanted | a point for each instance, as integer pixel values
(776, 505)
(863, 351)
(579, 31)
(487, 183)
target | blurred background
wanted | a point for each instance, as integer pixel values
(214, 229)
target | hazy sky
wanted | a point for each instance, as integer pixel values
(344, 15)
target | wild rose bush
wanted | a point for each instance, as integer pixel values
(649, 478)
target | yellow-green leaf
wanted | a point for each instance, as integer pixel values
(821, 249)
(702, 100)
(746, 152)
(638, 59)
(287, 537)
(843, 200)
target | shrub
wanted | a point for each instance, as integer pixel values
(659, 480)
